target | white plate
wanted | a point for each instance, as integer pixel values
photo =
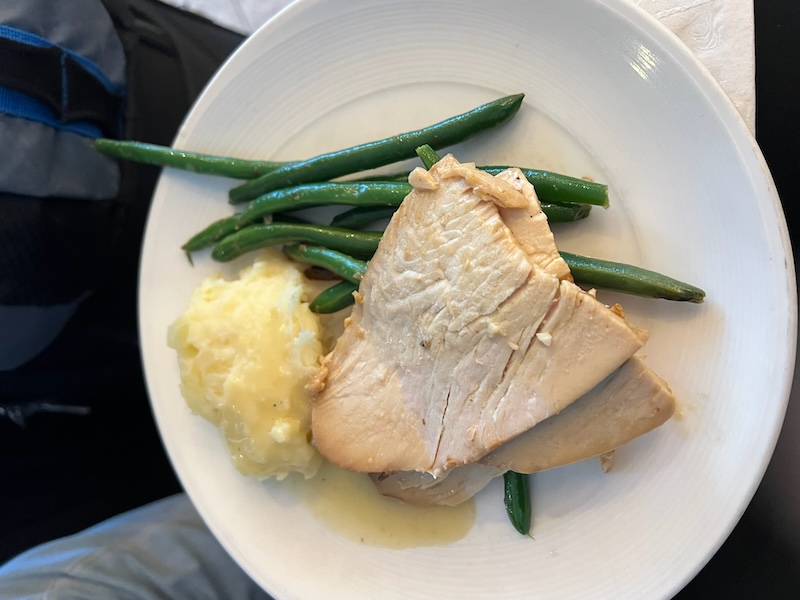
(610, 94)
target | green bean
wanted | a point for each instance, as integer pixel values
(325, 194)
(358, 243)
(284, 218)
(565, 213)
(395, 176)
(549, 186)
(197, 162)
(630, 279)
(610, 275)
(517, 497)
(338, 263)
(228, 226)
(604, 274)
(337, 297)
(555, 187)
(428, 155)
(557, 213)
(360, 194)
(212, 234)
(587, 271)
(381, 152)
(361, 216)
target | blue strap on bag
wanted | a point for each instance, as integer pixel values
(45, 82)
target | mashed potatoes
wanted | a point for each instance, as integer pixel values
(246, 350)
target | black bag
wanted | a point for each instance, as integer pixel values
(77, 438)
(62, 83)
(71, 220)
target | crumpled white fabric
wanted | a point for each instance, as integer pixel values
(242, 16)
(161, 550)
(719, 32)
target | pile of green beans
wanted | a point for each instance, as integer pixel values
(382, 152)
(273, 188)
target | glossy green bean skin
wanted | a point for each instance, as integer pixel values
(428, 155)
(361, 216)
(549, 186)
(338, 263)
(517, 498)
(212, 234)
(629, 279)
(555, 187)
(253, 237)
(381, 152)
(565, 213)
(337, 297)
(284, 218)
(196, 162)
(385, 193)
(228, 226)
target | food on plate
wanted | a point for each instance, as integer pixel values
(311, 195)
(332, 261)
(517, 500)
(629, 403)
(563, 198)
(196, 162)
(630, 279)
(586, 271)
(358, 243)
(246, 349)
(364, 216)
(337, 297)
(383, 196)
(470, 353)
(381, 152)
(469, 331)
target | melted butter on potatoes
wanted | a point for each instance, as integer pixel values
(246, 349)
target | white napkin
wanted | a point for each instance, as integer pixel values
(719, 32)
(721, 35)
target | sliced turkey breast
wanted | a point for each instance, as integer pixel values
(460, 341)
(628, 404)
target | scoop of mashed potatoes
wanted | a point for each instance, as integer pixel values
(246, 349)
